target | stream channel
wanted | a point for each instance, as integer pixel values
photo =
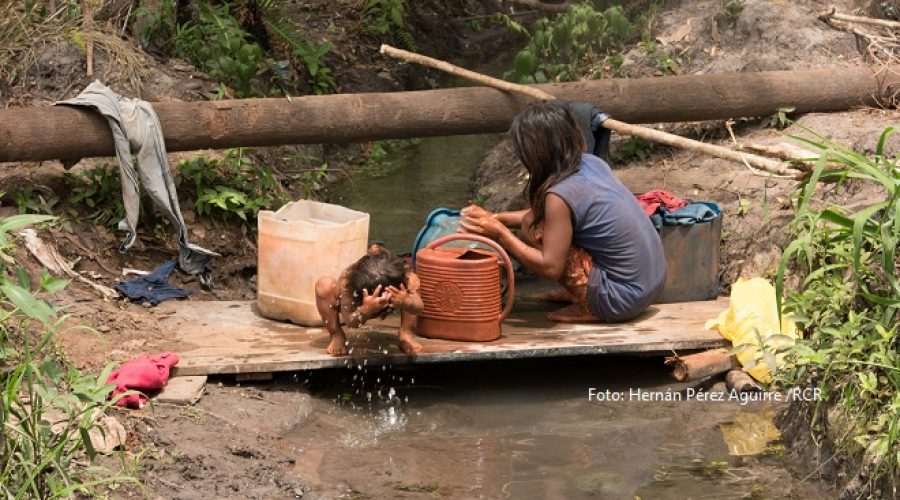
(526, 428)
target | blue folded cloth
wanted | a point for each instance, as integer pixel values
(695, 213)
(153, 287)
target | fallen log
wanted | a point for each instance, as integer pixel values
(60, 132)
(740, 381)
(701, 365)
(648, 134)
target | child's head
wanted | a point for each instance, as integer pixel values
(371, 271)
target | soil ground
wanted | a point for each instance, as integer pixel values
(230, 444)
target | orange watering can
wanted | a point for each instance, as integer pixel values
(461, 291)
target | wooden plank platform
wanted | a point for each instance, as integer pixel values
(231, 338)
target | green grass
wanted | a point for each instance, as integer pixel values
(48, 409)
(847, 301)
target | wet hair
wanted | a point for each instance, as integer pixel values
(374, 269)
(547, 140)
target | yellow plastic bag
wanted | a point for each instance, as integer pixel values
(751, 433)
(752, 316)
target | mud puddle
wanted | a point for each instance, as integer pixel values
(528, 430)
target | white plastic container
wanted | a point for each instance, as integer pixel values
(299, 244)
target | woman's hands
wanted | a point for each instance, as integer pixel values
(477, 220)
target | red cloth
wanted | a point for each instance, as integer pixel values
(143, 373)
(651, 200)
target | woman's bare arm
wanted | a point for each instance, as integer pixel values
(548, 261)
(512, 220)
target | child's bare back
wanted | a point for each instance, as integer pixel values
(373, 286)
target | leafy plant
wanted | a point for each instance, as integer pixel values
(387, 18)
(31, 200)
(48, 410)
(220, 46)
(848, 299)
(312, 179)
(666, 64)
(781, 119)
(232, 186)
(157, 25)
(312, 54)
(99, 189)
(557, 46)
(377, 163)
(634, 148)
(732, 8)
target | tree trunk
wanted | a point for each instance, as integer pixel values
(59, 132)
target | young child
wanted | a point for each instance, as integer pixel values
(374, 286)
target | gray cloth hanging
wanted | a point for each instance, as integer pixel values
(136, 130)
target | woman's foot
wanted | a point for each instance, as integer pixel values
(558, 295)
(408, 344)
(338, 345)
(575, 313)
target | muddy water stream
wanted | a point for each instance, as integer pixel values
(528, 430)
(523, 429)
(433, 174)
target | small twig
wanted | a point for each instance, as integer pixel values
(525, 13)
(537, 4)
(127, 17)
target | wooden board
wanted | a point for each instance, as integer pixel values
(231, 337)
(182, 390)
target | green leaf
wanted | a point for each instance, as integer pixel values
(397, 16)
(525, 63)
(859, 223)
(51, 284)
(882, 140)
(23, 278)
(15, 222)
(28, 304)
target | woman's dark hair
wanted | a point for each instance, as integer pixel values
(372, 270)
(548, 142)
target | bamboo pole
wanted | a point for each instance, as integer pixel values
(658, 136)
(833, 14)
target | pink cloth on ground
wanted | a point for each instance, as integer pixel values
(143, 373)
(651, 200)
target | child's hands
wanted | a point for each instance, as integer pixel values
(398, 296)
(374, 303)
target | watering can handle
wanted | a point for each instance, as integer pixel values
(510, 273)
